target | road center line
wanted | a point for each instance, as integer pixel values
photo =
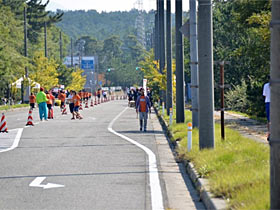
(156, 193)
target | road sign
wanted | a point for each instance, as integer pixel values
(185, 29)
(87, 63)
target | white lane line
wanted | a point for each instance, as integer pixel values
(156, 193)
(16, 141)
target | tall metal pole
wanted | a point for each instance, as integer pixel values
(46, 46)
(169, 72)
(162, 43)
(60, 45)
(194, 62)
(156, 37)
(180, 89)
(206, 76)
(25, 97)
(222, 87)
(72, 63)
(274, 106)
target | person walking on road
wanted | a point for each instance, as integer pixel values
(71, 104)
(266, 94)
(143, 106)
(62, 97)
(41, 100)
(50, 102)
(77, 103)
(32, 100)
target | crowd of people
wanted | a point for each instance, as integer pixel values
(47, 99)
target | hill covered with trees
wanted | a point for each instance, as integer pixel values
(102, 25)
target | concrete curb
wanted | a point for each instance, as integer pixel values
(201, 185)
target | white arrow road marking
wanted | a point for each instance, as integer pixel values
(37, 183)
(156, 194)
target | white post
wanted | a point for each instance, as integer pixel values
(170, 116)
(162, 108)
(189, 136)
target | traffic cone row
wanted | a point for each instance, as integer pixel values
(3, 124)
(86, 106)
(29, 118)
(95, 101)
(64, 111)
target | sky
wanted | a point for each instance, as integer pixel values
(106, 5)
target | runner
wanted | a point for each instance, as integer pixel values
(76, 99)
(143, 106)
(71, 104)
(50, 102)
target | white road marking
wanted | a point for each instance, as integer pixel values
(37, 183)
(156, 193)
(16, 141)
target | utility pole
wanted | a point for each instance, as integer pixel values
(206, 76)
(169, 72)
(194, 62)
(222, 86)
(162, 43)
(72, 63)
(25, 97)
(60, 45)
(46, 46)
(156, 36)
(180, 89)
(274, 106)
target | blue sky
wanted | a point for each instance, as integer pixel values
(104, 5)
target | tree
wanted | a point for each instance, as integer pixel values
(44, 71)
(78, 81)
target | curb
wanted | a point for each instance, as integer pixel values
(201, 185)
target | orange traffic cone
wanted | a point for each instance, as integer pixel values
(3, 125)
(95, 102)
(30, 118)
(91, 103)
(81, 106)
(64, 111)
(86, 104)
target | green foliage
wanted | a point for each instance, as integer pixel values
(241, 36)
(101, 25)
(236, 98)
(44, 71)
(78, 80)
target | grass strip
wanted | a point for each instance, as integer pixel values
(237, 169)
(6, 107)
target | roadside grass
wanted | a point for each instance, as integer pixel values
(6, 107)
(237, 169)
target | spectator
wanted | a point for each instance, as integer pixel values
(41, 100)
(266, 94)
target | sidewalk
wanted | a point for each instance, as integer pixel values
(247, 127)
(181, 195)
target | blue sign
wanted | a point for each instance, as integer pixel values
(100, 82)
(87, 63)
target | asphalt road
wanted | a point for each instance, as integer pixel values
(77, 164)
